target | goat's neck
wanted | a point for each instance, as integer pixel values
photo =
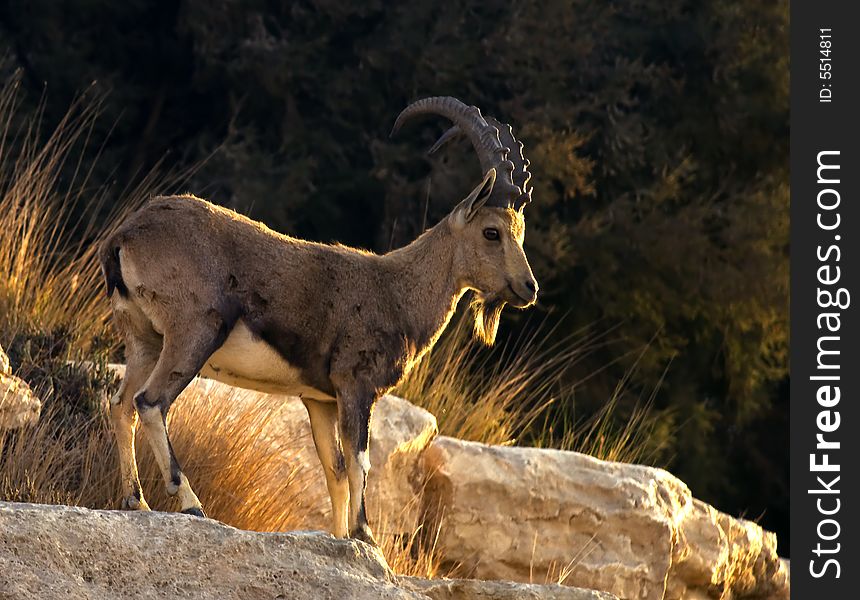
(428, 280)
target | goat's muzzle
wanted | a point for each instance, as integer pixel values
(522, 294)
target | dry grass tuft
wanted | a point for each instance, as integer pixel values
(634, 437)
(53, 463)
(415, 554)
(243, 477)
(51, 220)
(513, 396)
(484, 397)
(412, 554)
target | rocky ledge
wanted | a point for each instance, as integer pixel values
(528, 514)
(52, 552)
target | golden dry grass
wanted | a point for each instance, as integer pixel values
(512, 396)
(415, 554)
(482, 397)
(52, 218)
(242, 476)
(636, 436)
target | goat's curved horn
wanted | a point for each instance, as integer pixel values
(483, 136)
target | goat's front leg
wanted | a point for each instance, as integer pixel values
(354, 412)
(323, 416)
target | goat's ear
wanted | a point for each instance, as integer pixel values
(468, 207)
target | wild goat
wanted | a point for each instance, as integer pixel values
(196, 288)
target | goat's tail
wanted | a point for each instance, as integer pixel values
(111, 269)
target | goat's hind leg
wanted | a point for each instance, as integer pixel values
(124, 420)
(323, 417)
(142, 346)
(179, 362)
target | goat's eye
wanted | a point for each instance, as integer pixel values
(491, 234)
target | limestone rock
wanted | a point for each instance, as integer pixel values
(62, 552)
(471, 589)
(527, 514)
(18, 405)
(399, 434)
(717, 553)
(53, 552)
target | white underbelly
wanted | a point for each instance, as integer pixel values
(248, 362)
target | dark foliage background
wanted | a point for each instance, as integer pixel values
(657, 130)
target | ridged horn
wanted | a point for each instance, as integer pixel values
(468, 121)
(521, 175)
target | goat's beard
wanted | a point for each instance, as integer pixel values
(487, 311)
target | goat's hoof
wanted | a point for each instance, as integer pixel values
(363, 533)
(133, 503)
(196, 511)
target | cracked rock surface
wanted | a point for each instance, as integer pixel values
(523, 514)
(53, 552)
